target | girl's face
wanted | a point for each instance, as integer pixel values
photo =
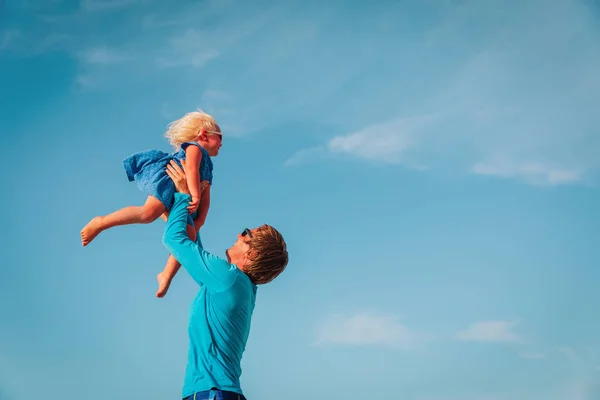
(212, 142)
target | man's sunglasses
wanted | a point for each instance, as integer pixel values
(247, 232)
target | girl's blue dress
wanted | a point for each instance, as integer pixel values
(148, 169)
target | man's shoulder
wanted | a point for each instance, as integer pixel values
(241, 282)
(229, 276)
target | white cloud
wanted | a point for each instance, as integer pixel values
(52, 42)
(305, 155)
(533, 173)
(519, 99)
(490, 331)
(387, 142)
(102, 56)
(367, 329)
(196, 47)
(383, 143)
(192, 48)
(85, 81)
(526, 98)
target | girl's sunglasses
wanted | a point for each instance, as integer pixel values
(219, 134)
(247, 232)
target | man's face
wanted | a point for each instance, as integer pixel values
(236, 254)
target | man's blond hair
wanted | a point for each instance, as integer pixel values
(188, 127)
(267, 256)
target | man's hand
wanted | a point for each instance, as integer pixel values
(177, 174)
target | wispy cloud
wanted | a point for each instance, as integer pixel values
(533, 173)
(97, 63)
(387, 142)
(384, 142)
(158, 44)
(192, 48)
(367, 329)
(27, 44)
(195, 41)
(490, 331)
(517, 98)
(518, 103)
(306, 155)
(103, 56)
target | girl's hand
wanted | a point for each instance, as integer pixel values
(177, 174)
(194, 204)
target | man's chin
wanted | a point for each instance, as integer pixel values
(227, 255)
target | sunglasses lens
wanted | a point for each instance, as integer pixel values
(247, 232)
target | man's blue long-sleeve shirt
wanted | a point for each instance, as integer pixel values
(220, 315)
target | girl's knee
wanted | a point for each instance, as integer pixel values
(191, 232)
(151, 212)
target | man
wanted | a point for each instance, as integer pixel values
(220, 315)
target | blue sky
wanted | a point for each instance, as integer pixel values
(433, 166)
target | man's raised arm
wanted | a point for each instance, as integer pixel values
(202, 266)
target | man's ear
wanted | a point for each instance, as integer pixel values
(246, 254)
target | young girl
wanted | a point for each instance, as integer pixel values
(196, 137)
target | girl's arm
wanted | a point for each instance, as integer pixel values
(193, 156)
(203, 208)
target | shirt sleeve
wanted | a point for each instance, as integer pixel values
(205, 268)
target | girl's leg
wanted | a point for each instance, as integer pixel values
(145, 214)
(166, 276)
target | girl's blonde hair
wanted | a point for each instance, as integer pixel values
(188, 127)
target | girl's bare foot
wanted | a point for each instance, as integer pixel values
(91, 230)
(163, 284)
